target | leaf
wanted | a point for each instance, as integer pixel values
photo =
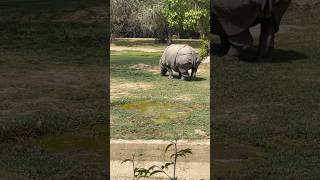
(126, 160)
(142, 172)
(155, 172)
(182, 153)
(168, 164)
(185, 151)
(152, 167)
(172, 155)
(167, 148)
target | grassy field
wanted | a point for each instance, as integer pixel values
(53, 109)
(267, 115)
(145, 105)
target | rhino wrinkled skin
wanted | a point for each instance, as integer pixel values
(233, 18)
(179, 58)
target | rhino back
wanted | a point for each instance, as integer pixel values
(169, 56)
(185, 57)
(236, 16)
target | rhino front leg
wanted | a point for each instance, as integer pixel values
(266, 43)
(170, 73)
(163, 70)
(184, 74)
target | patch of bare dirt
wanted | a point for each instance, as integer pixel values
(88, 15)
(143, 49)
(146, 67)
(200, 132)
(183, 98)
(25, 91)
(5, 175)
(193, 166)
(243, 114)
(306, 2)
(121, 90)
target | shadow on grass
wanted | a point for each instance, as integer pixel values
(215, 50)
(276, 56)
(177, 77)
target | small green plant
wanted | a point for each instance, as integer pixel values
(133, 166)
(155, 169)
(137, 172)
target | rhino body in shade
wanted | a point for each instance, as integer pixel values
(179, 58)
(233, 18)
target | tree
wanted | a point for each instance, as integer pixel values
(128, 19)
(187, 14)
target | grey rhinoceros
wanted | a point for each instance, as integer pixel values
(179, 58)
(233, 18)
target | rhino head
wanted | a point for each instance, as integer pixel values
(163, 70)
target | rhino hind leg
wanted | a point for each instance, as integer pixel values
(225, 44)
(238, 43)
(266, 43)
(193, 73)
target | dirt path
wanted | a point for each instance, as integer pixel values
(305, 2)
(151, 152)
(187, 171)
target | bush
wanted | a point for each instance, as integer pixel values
(204, 47)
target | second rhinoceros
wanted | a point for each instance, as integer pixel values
(179, 58)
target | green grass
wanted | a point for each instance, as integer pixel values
(53, 88)
(153, 112)
(273, 107)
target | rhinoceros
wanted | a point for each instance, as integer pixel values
(233, 18)
(179, 58)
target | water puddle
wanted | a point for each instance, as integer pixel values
(158, 112)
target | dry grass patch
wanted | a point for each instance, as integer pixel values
(145, 67)
(88, 15)
(143, 49)
(126, 89)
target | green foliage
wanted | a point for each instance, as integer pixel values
(187, 14)
(155, 169)
(204, 47)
